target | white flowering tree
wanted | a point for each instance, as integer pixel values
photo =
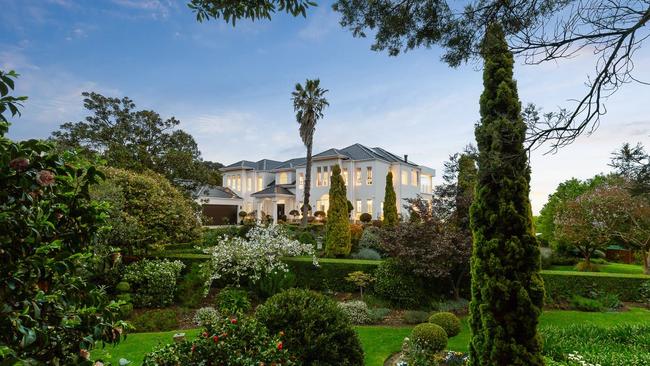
(251, 258)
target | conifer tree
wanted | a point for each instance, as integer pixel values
(507, 290)
(337, 234)
(390, 203)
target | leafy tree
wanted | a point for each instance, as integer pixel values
(308, 103)
(51, 312)
(231, 11)
(390, 203)
(507, 289)
(591, 221)
(633, 163)
(466, 184)
(136, 140)
(636, 233)
(538, 31)
(146, 211)
(337, 230)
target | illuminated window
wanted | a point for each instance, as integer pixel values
(319, 177)
(357, 177)
(301, 181)
(414, 177)
(326, 177)
(382, 210)
(369, 175)
(260, 183)
(249, 184)
(425, 184)
(369, 207)
(405, 178)
(358, 209)
(239, 183)
(345, 176)
(284, 178)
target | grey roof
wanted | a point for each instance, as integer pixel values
(264, 164)
(273, 190)
(330, 153)
(292, 163)
(216, 192)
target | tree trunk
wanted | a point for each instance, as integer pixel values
(305, 203)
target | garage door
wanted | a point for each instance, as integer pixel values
(220, 214)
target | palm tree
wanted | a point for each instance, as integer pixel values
(308, 103)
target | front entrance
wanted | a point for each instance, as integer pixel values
(281, 214)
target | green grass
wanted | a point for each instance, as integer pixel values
(617, 268)
(379, 342)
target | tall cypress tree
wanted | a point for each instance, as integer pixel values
(337, 234)
(465, 189)
(507, 290)
(390, 203)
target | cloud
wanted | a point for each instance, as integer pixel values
(320, 24)
(156, 9)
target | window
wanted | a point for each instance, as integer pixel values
(249, 184)
(301, 181)
(319, 177)
(369, 175)
(345, 176)
(357, 177)
(414, 177)
(405, 178)
(284, 178)
(260, 183)
(228, 182)
(326, 177)
(357, 209)
(239, 183)
(425, 184)
(382, 210)
(369, 207)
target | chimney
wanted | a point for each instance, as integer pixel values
(406, 158)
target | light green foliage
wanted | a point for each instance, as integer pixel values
(146, 211)
(155, 320)
(390, 203)
(448, 321)
(153, 281)
(205, 317)
(507, 289)
(429, 336)
(231, 301)
(357, 311)
(360, 279)
(370, 239)
(337, 232)
(397, 286)
(415, 317)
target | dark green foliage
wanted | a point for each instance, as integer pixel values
(459, 306)
(399, 287)
(561, 287)
(601, 303)
(507, 290)
(337, 231)
(190, 287)
(365, 217)
(447, 321)
(429, 336)
(50, 307)
(316, 330)
(306, 237)
(378, 314)
(231, 301)
(330, 273)
(157, 320)
(370, 239)
(153, 282)
(390, 203)
(123, 287)
(273, 283)
(415, 317)
(231, 11)
(366, 253)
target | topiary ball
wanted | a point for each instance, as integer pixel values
(430, 337)
(448, 321)
(123, 287)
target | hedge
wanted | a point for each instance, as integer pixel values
(330, 273)
(561, 286)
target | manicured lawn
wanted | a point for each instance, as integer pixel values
(608, 268)
(379, 342)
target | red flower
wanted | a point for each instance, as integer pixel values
(233, 321)
(205, 334)
(215, 339)
(280, 346)
(19, 164)
(45, 178)
(193, 348)
(83, 353)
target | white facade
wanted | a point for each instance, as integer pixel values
(275, 188)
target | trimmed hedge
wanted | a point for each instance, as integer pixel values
(330, 274)
(561, 286)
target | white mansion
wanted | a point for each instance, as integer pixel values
(276, 187)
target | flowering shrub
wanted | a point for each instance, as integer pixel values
(153, 281)
(235, 259)
(206, 316)
(231, 341)
(356, 311)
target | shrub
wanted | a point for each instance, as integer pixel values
(329, 274)
(361, 279)
(316, 329)
(448, 321)
(233, 342)
(365, 217)
(587, 267)
(275, 282)
(610, 301)
(190, 287)
(320, 215)
(458, 306)
(206, 317)
(396, 286)
(356, 231)
(123, 286)
(153, 281)
(367, 253)
(370, 239)
(249, 259)
(644, 293)
(585, 304)
(429, 336)
(415, 316)
(337, 230)
(378, 314)
(561, 286)
(356, 311)
(213, 236)
(232, 301)
(306, 237)
(157, 320)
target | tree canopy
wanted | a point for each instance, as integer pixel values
(231, 11)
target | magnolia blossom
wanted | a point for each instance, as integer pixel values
(19, 164)
(45, 178)
(255, 256)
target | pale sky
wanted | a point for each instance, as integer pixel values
(230, 87)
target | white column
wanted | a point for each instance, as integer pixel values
(275, 211)
(258, 213)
